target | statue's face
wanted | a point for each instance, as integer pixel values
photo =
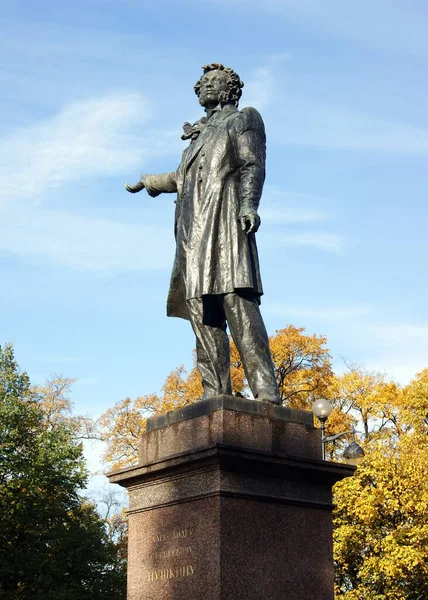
(213, 84)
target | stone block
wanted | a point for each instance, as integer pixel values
(231, 500)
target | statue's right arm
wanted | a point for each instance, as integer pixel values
(155, 184)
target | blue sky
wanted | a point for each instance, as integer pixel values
(95, 92)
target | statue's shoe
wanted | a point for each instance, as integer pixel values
(268, 397)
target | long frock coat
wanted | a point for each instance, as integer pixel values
(220, 178)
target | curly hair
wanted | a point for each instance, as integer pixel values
(233, 80)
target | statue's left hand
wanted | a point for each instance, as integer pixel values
(250, 223)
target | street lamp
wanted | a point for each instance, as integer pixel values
(321, 409)
(353, 453)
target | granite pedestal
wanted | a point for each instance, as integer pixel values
(231, 501)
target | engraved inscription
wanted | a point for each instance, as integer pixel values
(167, 573)
(170, 545)
(177, 534)
(170, 552)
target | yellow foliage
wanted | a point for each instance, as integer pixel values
(302, 365)
(122, 426)
(178, 391)
(366, 400)
(381, 521)
(237, 375)
(414, 405)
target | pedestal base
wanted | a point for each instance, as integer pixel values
(230, 501)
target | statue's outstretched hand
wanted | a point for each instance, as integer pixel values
(135, 188)
(141, 185)
(250, 223)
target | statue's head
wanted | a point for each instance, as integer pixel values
(218, 85)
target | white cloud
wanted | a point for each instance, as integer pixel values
(86, 140)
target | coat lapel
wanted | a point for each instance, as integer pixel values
(195, 148)
(207, 132)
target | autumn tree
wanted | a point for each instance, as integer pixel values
(302, 366)
(53, 398)
(381, 519)
(361, 399)
(122, 425)
(53, 544)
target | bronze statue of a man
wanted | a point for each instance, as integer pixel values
(216, 277)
